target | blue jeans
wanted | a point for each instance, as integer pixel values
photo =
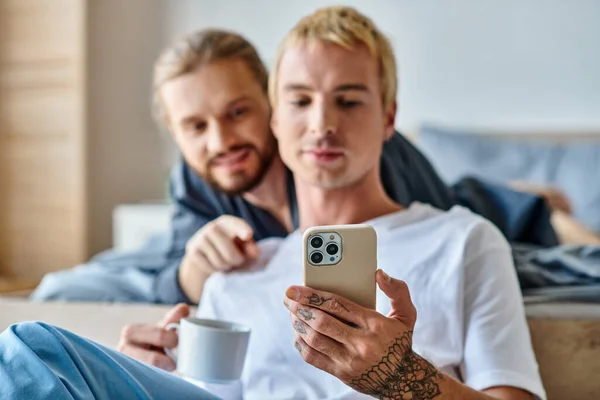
(39, 361)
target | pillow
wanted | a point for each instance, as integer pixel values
(572, 167)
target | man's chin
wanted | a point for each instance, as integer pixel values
(242, 181)
(327, 181)
(236, 186)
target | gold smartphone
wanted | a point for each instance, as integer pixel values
(342, 259)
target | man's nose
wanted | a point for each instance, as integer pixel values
(323, 120)
(219, 139)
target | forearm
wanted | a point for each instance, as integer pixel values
(451, 389)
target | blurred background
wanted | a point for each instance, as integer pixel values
(77, 138)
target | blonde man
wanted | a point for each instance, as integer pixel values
(333, 92)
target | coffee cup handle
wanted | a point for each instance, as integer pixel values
(172, 353)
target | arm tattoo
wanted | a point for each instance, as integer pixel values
(299, 327)
(315, 300)
(306, 314)
(400, 374)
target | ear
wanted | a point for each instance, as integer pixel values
(390, 119)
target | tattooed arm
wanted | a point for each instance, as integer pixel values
(370, 352)
(403, 374)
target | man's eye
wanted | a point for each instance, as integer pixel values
(348, 103)
(301, 102)
(199, 127)
(238, 112)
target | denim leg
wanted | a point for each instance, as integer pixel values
(40, 361)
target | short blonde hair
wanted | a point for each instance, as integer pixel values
(346, 27)
(200, 48)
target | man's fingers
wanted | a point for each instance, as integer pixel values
(397, 291)
(320, 321)
(333, 304)
(240, 233)
(217, 243)
(312, 356)
(175, 314)
(321, 342)
(226, 247)
(212, 255)
(235, 227)
(150, 356)
(251, 249)
(149, 335)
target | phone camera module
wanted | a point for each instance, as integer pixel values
(316, 257)
(332, 249)
(316, 242)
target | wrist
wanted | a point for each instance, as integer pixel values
(400, 373)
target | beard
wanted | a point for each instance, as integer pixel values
(245, 180)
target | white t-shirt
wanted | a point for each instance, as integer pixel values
(470, 317)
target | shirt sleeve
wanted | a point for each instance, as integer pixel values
(497, 343)
(167, 287)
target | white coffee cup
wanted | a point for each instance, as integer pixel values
(209, 350)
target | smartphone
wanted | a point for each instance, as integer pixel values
(342, 259)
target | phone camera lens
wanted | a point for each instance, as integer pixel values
(316, 257)
(316, 242)
(332, 249)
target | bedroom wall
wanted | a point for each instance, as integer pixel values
(126, 150)
(508, 64)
